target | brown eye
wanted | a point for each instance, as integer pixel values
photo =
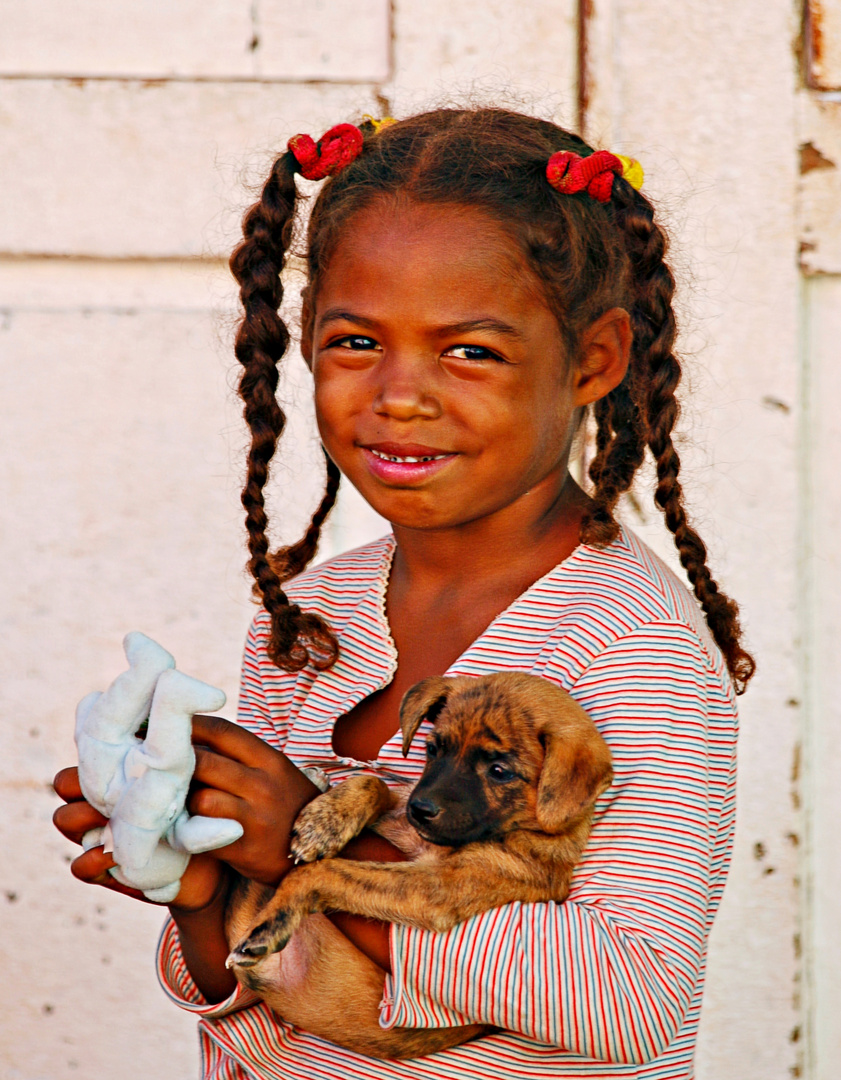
(499, 773)
(357, 342)
(431, 750)
(473, 352)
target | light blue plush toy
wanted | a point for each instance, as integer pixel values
(141, 785)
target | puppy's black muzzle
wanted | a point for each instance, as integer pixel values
(449, 806)
(422, 811)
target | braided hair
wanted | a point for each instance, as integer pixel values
(589, 256)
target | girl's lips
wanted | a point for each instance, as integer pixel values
(409, 464)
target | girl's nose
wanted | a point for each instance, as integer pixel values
(406, 390)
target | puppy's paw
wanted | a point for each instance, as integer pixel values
(320, 832)
(266, 938)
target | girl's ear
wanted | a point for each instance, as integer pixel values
(605, 353)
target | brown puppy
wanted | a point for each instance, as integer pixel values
(501, 813)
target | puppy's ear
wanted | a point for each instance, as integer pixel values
(423, 700)
(577, 766)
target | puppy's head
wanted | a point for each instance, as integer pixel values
(508, 751)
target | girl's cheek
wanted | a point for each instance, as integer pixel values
(335, 408)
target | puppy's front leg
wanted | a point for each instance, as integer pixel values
(327, 824)
(433, 894)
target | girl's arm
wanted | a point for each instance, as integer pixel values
(264, 713)
(614, 972)
(202, 893)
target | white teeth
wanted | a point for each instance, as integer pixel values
(403, 460)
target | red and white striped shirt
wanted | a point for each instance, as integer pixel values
(607, 984)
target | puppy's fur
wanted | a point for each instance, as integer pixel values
(501, 813)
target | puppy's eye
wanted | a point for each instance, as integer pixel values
(499, 773)
(431, 750)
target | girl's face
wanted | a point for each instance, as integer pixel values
(443, 389)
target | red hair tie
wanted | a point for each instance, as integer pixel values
(336, 148)
(569, 173)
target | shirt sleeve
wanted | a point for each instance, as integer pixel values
(609, 973)
(178, 984)
(215, 1063)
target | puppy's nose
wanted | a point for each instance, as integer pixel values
(423, 810)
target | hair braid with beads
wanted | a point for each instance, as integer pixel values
(588, 256)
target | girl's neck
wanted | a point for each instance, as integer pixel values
(518, 544)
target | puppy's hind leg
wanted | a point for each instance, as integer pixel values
(330, 822)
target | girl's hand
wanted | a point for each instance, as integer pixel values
(202, 881)
(239, 776)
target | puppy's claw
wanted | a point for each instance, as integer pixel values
(267, 938)
(247, 954)
(243, 959)
(308, 845)
(302, 851)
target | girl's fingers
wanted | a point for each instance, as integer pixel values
(215, 770)
(233, 741)
(66, 784)
(76, 818)
(92, 867)
(210, 802)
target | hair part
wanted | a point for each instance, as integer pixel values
(589, 257)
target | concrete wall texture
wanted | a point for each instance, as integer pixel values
(129, 136)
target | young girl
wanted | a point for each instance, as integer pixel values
(477, 278)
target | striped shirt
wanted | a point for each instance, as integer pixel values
(607, 984)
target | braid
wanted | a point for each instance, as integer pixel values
(292, 560)
(261, 341)
(657, 374)
(604, 433)
(620, 447)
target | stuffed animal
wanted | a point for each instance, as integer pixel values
(140, 784)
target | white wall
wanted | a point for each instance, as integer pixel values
(129, 135)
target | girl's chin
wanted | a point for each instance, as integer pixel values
(406, 509)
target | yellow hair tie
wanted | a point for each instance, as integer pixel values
(631, 171)
(377, 124)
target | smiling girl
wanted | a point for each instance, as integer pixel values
(477, 280)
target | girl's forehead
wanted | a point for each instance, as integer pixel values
(452, 250)
(420, 226)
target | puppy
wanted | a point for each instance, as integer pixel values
(501, 813)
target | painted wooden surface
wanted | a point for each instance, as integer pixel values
(821, 583)
(819, 202)
(822, 38)
(138, 170)
(286, 40)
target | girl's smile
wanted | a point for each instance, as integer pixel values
(443, 389)
(404, 463)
